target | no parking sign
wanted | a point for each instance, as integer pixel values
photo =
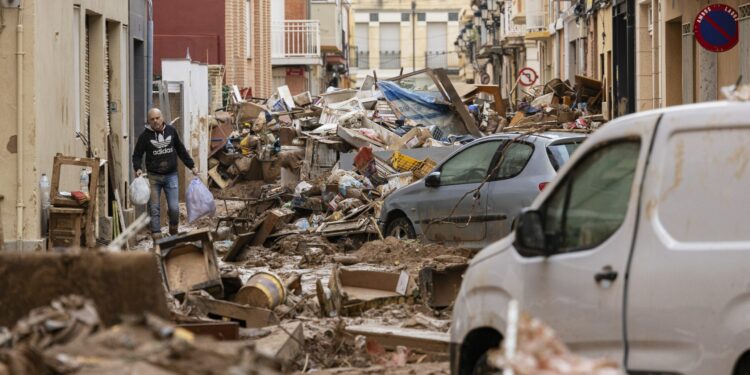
(716, 28)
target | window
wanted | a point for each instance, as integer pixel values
(560, 153)
(453, 16)
(591, 203)
(421, 17)
(469, 166)
(373, 17)
(405, 17)
(513, 160)
(248, 29)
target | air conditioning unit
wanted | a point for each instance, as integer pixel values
(10, 3)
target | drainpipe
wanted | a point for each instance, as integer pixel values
(150, 56)
(19, 130)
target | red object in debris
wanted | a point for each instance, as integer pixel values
(363, 158)
(80, 197)
(542, 185)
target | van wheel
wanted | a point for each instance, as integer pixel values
(743, 365)
(481, 367)
(401, 228)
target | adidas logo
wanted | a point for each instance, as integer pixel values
(161, 142)
(163, 151)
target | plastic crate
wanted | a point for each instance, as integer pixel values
(403, 163)
(426, 166)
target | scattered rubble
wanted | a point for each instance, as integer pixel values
(293, 273)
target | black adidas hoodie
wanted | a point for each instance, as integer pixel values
(161, 151)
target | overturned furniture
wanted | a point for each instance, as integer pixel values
(354, 291)
(188, 262)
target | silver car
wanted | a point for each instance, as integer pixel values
(473, 197)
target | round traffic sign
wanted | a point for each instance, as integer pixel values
(716, 28)
(527, 76)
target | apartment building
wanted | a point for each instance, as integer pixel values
(232, 33)
(64, 73)
(390, 35)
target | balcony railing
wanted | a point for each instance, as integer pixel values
(436, 59)
(390, 59)
(363, 59)
(536, 16)
(295, 40)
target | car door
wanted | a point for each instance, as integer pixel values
(510, 188)
(588, 226)
(455, 210)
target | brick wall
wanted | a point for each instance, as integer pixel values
(254, 71)
(295, 9)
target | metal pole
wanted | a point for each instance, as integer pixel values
(149, 58)
(413, 36)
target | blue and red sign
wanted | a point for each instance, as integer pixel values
(716, 27)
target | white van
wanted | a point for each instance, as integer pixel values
(639, 250)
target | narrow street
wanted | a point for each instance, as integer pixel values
(457, 187)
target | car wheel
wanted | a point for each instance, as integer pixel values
(401, 228)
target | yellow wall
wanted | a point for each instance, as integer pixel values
(419, 36)
(48, 102)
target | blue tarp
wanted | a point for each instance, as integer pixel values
(423, 108)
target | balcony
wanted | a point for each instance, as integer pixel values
(510, 29)
(537, 20)
(295, 42)
(333, 33)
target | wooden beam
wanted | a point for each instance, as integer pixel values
(458, 105)
(414, 339)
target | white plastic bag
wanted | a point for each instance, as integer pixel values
(200, 201)
(140, 191)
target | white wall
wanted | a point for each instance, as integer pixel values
(194, 78)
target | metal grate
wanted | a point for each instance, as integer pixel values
(744, 11)
(86, 81)
(687, 29)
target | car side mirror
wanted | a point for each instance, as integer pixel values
(432, 179)
(530, 238)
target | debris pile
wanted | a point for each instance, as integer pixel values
(534, 348)
(68, 337)
(558, 105)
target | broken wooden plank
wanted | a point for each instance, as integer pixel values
(414, 339)
(238, 246)
(275, 217)
(250, 317)
(280, 345)
(219, 330)
(459, 106)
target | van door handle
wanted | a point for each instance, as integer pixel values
(607, 273)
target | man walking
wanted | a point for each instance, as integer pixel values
(161, 144)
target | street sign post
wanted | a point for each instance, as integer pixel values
(527, 76)
(716, 28)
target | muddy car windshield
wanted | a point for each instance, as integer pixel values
(560, 153)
